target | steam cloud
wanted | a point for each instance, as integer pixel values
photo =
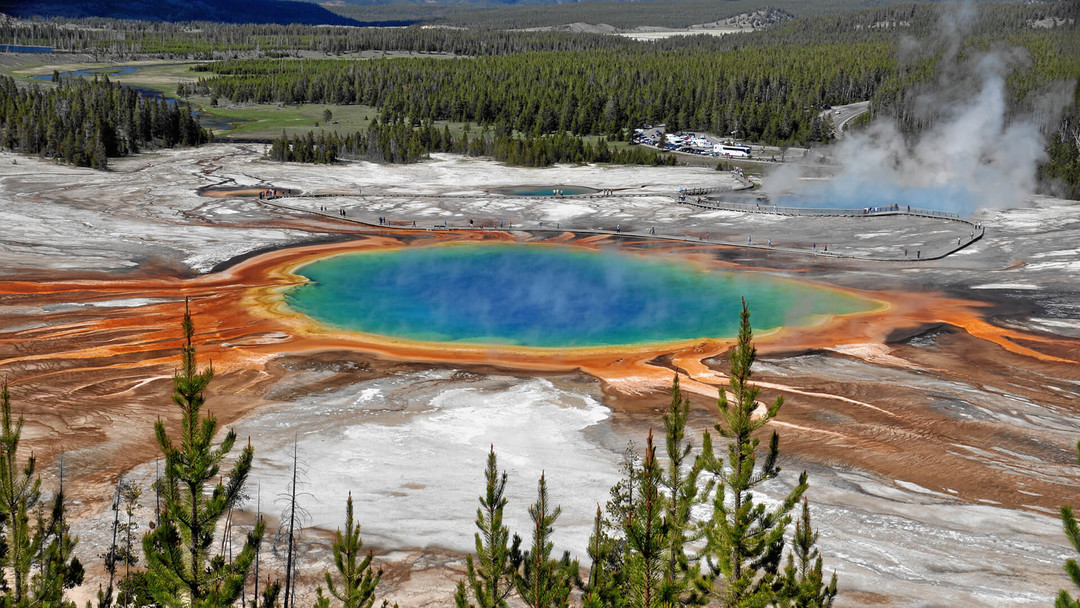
(976, 154)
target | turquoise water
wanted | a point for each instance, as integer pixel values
(547, 296)
(543, 190)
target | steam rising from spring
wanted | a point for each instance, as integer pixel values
(975, 153)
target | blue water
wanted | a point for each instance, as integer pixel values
(849, 193)
(89, 72)
(543, 190)
(15, 48)
(547, 296)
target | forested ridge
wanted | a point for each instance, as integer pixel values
(214, 40)
(85, 122)
(205, 40)
(771, 95)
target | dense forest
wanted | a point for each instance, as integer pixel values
(120, 39)
(770, 95)
(85, 122)
(402, 143)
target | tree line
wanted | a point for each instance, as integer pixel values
(476, 32)
(763, 94)
(206, 40)
(399, 142)
(86, 122)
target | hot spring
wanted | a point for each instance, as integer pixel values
(544, 190)
(548, 296)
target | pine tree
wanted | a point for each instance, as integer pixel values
(290, 530)
(646, 537)
(1072, 531)
(358, 582)
(803, 580)
(180, 568)
(745, 539)
(19, 494)
(53, 546)
(39, 560)
(130, 494)
(111, 557)
(542, 582)
(682, 495)
(490, 574)
(604, 587)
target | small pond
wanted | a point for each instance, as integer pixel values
(543, 190)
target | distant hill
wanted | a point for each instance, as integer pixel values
(221, 11)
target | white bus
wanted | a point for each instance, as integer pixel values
(733, 150)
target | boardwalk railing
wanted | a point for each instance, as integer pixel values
(768, 208)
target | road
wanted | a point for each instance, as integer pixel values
(841, 115)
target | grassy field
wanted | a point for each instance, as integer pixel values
(265, 121)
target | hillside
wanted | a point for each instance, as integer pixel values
(221, 11)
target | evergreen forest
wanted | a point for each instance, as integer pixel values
(85, 122)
